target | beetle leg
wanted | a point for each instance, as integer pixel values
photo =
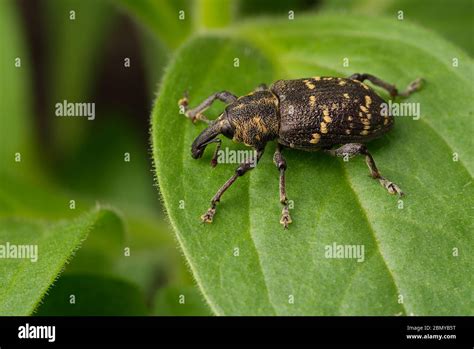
(412, 86)
(196, 113)
(280, 163)
(240, 171)
(352, 149)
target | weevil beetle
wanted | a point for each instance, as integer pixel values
(307, 114)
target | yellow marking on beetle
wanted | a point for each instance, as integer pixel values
(361, 115)
(326, 116)
(368, 101)
(362, 84)
(365, 121)
(346, 95)
(239, 106)
(348, 132)
(257, 137)
(342, 83)
(367, 127)
(309, 84)
(312, 101)
(364, 109)
(270, 101)
(349, 118)
(364, 133)
(244, 134)
(323, 128)
(385, 121)
(317, 78)
(237, 135)
(334, 106)
(257, 120)
(316, 138)
(369, 116)
(327, 79)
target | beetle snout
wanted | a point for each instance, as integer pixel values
(200, 143)
(196, 153)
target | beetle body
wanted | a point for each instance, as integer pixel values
(305, 114)
(309, 114)
(324, 111)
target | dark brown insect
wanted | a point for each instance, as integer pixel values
(308, 114)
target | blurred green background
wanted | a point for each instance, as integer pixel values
(82, 60)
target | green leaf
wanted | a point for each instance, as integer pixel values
(15, 102)
(454, 22)
(75, 46)
(92, 295)
(180, 301)
(409, 252)
(247, 8)
(162, 17)
(214, 13)
(24, 195)
(25, 281)
(102, 248)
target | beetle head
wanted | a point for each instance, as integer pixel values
(255, 118)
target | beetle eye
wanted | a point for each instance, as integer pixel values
(227, 130)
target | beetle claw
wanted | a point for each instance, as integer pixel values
(391, 187)
(413, 86)
(183, 101)
(208, 216)
(285, 217)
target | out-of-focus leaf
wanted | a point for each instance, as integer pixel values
(409, 253)
(180, 301)
(25, 281)
(214, 13)
(452, 19)
(163, 18)
(112, 164)
(92, 295)
(22, 195)
(102, 248)
(74, 51)
(266, 7)
(155, 57)
(15, 94)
